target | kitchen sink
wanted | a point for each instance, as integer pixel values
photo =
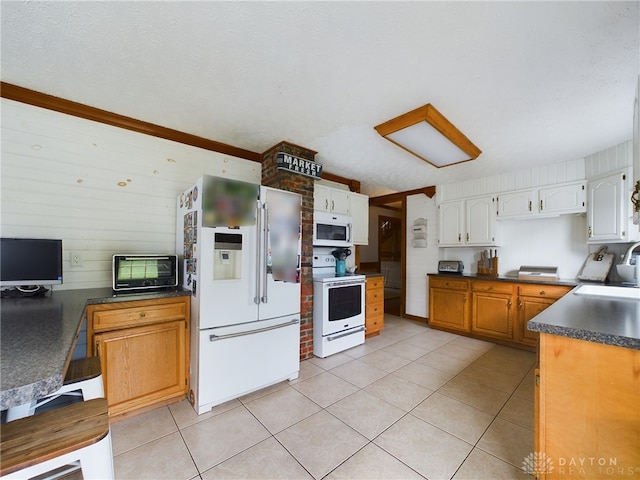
(608, 291)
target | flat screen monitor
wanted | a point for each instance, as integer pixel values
(30, 262)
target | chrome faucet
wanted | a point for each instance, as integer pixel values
(626, 259)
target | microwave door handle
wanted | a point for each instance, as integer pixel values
(256, 298)
(264, 298)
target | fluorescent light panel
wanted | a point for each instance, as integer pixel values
(427, 134)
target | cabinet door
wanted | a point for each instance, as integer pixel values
(605, 213)
(518, 204)
(492, 315)
(339, 202)
(321, 198)
(142, 365)
(570, 198)
(359, 208)
(449, 309)
(451, 223)
(480, 221)
(529, 307)
(588, 408)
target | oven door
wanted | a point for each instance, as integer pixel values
(343, 304)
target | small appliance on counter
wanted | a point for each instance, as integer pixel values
(540, 274)
(143, 271)
(450, 266)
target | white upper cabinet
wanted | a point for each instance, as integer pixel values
(609, 217)
(468, 222)
(344, 202)
(331, 200)
(520, 204)
(359, 208)
(563, 199)
(545, 201)
(451, 224)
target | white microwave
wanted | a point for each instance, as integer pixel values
(332, 230)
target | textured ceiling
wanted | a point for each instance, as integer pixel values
(529, 83)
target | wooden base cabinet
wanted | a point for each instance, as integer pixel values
(374, 306)
(492, 312)
(532, 300)
(144, 350)
(588, 409)
(449, 304)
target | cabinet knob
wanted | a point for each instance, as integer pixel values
(542, 292)
(520, 304)
(142, 315)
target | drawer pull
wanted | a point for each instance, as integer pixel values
(142, 314)
(542, 292)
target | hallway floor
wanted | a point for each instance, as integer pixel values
(410, 403)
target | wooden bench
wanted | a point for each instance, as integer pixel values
(43, 442)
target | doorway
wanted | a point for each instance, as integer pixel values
(390, 242)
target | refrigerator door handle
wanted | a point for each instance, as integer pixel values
(264, 298)
(256, 298)
(214, 338)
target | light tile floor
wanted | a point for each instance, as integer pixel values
(410, 403)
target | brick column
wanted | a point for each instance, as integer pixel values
(293, 182)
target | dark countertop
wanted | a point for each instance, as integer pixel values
(569, 282)
(38, 334)
(595, 319)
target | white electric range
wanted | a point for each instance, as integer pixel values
(338, 307)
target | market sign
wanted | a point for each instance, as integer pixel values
(298, 165)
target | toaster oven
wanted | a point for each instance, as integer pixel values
(137, 271)
(450, 266)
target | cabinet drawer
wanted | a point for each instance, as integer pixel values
(375, 308)
(120, 317)
(374, 323)
(375, 282)
(492, 287)
(450, 283)
(547, 291)
(373, 296)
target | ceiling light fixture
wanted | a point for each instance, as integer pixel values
(427, 134)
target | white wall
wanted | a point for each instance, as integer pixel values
(420, 261)
(558, 241)
(101, 189)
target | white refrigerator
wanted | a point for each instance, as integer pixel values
(240, 249)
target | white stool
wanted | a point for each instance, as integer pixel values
(40, 443)
(83, 378)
